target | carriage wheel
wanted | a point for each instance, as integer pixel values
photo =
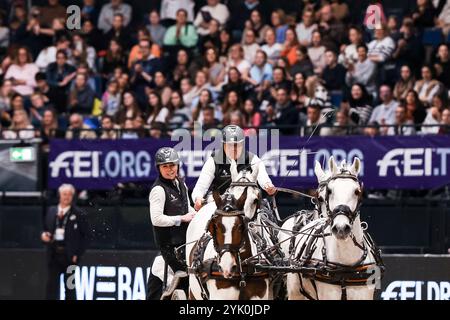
(179, 295)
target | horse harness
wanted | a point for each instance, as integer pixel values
(326, 271)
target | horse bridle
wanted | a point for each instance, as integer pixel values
(352, 215)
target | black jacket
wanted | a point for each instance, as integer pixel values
(76, 230)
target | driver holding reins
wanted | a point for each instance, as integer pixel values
(215, 174)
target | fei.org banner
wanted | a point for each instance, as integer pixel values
(418, 162)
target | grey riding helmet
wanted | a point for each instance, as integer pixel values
(166, 155)
(232, 134)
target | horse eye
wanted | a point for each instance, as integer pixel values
(329, 191)
(357, 192)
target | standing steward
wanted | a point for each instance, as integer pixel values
(215, 174)
(66, 234)
(170, 214)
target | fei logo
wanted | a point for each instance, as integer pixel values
(374, 16)
(415, 290)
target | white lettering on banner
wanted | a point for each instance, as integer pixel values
(412, 290)
(108, 283)
(414, 162)
(87, 164)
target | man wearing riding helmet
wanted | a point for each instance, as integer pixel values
(215, 174)
(168, 199)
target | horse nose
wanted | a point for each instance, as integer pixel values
(341, 232)
(342, 209)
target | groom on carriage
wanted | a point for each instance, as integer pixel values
(215, 174)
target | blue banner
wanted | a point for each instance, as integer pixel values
(415, 162)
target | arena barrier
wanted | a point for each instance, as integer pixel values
(122, 275)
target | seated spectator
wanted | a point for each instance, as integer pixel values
(256, 24)
(182, 33)
(317, 53)
(187, 89)
(129, 108)
(333, 73)
(359, 105)
(342, 126)
(49, 54)
(89, 11)
(428, 86)
(181, 115)
(372, 129)
(434, 116)
(235, 83)
(111, 99)
(119, 31)
(143, 70)
(135, 53)
(443, 20)
(216, 70)
(278, 20)
(205, 99)
(314, 122)
(237, 59)
(158, 111)
(109, 130)
(78, 130)
(20, 128)
(49, 128)
(114, 58)
(251, 117)
(401, 126)
(155, 28)
(349, 53)
(442, 65)
(392, 27)
(213, 10)
(212, 39)
(305, 28)
(409, 47)
(271, 47)
(81, 97)
(250, 46)
(282, 113)
(109, 10)
(424, 15)
(22, 72)
(128, 130)
(385, 112)
(51, 11)
(364, 71)
(279, 80)
(290, 46)
(169, 10)
(60, 74)
(6, 93)
(445, 122)
(261, 71)
(382, 47)
(210, 124)
(140, 127)
(181, 69)
(405, 83)
(415, 110)
(82, 53)
(231, 104)
(299, 92)
(37, 110)
(303, 64)
(225, 43)
(331, 28)
(93, 36)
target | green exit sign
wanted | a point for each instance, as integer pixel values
(21, 154)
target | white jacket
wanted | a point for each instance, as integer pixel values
(207, 176)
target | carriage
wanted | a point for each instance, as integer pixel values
(237, 247)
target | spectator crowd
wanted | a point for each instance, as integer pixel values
(310, 68)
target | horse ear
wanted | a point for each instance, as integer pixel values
(233, 171)
(217, 199)
(320, 174)
(356, 166)
(332, 166)
(241, 201)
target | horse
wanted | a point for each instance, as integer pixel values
(336, 259)
(219, 241)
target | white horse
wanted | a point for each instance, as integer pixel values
(224, 287)
(335, 241)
